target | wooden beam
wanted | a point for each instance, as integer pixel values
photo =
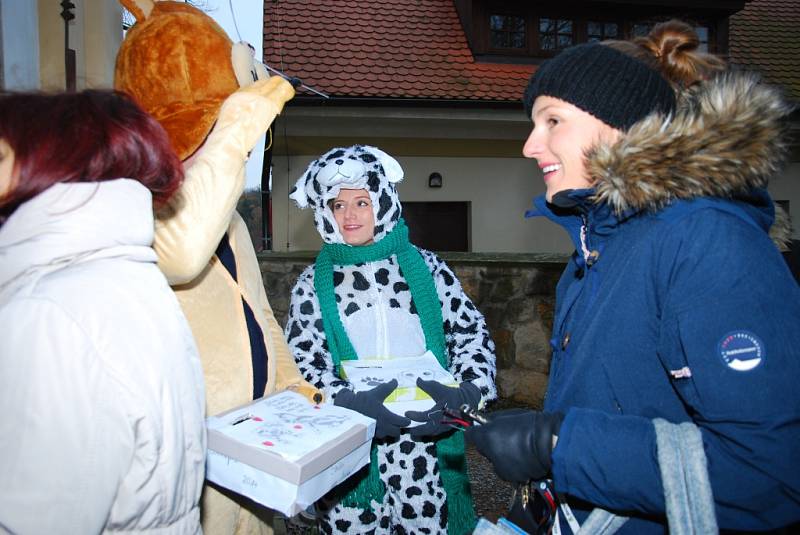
(445, 148)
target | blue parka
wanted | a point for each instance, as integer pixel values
(678, 305)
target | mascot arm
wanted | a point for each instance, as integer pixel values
(251, 283)
(287, 376)
(286, 373)
(190, 227)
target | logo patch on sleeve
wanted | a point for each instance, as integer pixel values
(741, 350)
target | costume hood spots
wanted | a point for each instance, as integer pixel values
(356, 167)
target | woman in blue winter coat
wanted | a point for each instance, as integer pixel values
(672, 398)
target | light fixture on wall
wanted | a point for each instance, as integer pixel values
(435, 180)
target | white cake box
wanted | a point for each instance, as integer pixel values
(285, 453)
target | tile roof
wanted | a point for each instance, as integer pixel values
(765, 36)
(355, 48)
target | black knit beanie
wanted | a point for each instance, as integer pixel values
(614, 87)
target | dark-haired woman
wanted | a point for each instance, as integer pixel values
(672, 398)
(101, 389)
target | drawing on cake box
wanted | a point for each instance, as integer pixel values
(371, 381)
(405, 378)
(408, 378)
(318, 423)
(368, 373)
(288, 425)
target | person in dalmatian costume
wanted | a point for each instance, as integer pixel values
(372, 294)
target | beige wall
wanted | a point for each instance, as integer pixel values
(476, 151)
(499, 190)
(95, 34)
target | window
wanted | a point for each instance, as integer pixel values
(555, 34)
(600, 31)
(641, 29)
(507, 31)
(702, 33)
(531, 33)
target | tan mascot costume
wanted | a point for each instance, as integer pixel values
(180, 66)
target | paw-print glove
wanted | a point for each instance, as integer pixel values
(444, 397)
(370, 403)
(518, 443)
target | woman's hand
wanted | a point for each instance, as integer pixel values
(370, 403)
(519, 443)
(444, 397)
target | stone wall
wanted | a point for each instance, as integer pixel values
(516, 293)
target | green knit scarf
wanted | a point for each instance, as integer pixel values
(450, 448)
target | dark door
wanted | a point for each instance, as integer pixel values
(438, 226)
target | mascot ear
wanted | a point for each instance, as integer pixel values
(245, 66)
(392, 168)
(140, 9)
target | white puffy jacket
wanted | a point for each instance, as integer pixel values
(101, 390)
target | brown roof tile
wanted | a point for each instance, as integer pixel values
(765, 36)
(384, 49)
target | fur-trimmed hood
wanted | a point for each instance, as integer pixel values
(727, 137)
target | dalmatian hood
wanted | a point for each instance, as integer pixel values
(356, 167)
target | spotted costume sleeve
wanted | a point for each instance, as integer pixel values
(470, 348)
(306, 337)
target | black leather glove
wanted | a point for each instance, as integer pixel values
(443, 396)
(518, 443)
(370, 403)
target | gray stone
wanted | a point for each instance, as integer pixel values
(516, 294)
(504, 347)
(520, 310)
(521, 385)
(504, 290)
(532, 344)
(274, 266)
(543, 281)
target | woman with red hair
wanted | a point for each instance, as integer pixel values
(101, 389)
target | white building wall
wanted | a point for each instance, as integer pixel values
(499, 191)
(477, 152)
(786, 187)
(20, 45)
(95, 34)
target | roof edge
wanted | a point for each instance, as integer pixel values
(307, 100)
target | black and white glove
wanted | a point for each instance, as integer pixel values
(518, 443)
(370, 403)
(444, 397)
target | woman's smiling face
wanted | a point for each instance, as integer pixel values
(560, 137)
(352, 209)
